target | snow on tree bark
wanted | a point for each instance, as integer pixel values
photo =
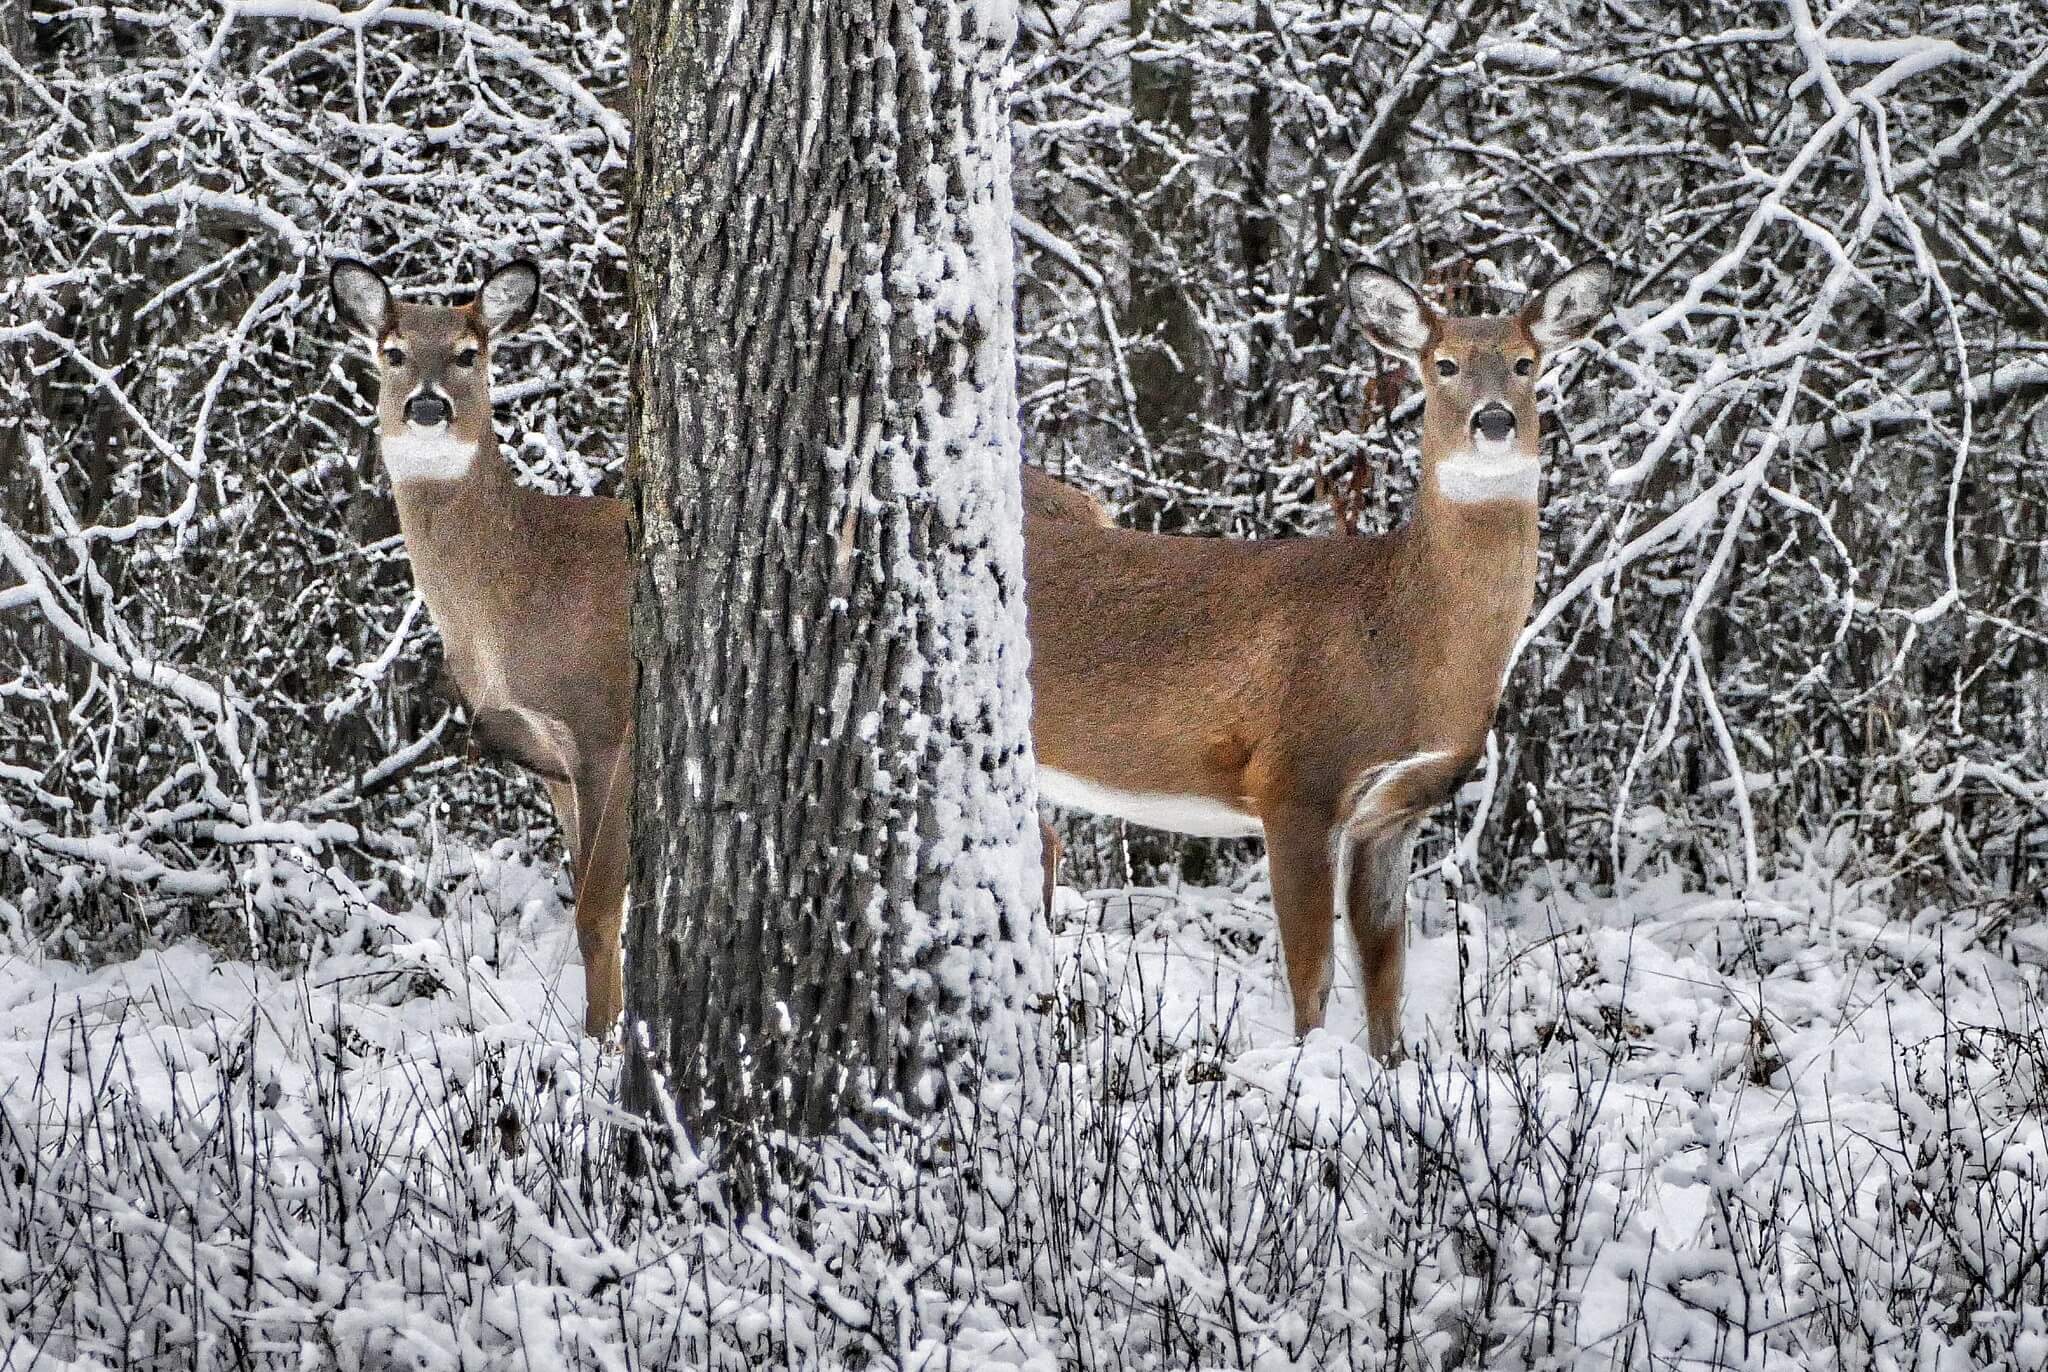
(835, 838)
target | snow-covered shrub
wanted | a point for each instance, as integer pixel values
(1796, 1131)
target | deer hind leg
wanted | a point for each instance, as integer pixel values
(1298, 857)
(1376, 886)
(1049, 854)
(1371, 847)
(604, 787)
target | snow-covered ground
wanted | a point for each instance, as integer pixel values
(1798, 1126)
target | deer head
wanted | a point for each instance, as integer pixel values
(433, 364)
(1478, 374)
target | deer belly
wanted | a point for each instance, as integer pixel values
(1199, 816)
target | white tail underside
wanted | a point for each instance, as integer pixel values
(1198, 816)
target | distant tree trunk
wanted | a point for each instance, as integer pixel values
(1255, 223)
(23, 638)
(14, 98)
(1169, 356)
(835, 840)
(14, 113)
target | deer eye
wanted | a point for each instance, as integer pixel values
(395, 356)
(466, 358)
(1446, 367)
(1524, 366)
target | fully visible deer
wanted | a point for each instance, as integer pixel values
(1326, 692)
(529, 590)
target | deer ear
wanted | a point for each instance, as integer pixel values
(1566, 310)
(508, 297)
(1394, 317)
(361, 296)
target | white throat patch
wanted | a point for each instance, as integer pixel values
(1477, 475)
(414, 454)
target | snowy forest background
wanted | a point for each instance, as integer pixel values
(1733, 957)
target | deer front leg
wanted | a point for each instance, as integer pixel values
(563, 796)
(1298, 859)
(1377, 887)
(604, 788)
(1049, 855)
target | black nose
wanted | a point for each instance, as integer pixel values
(427, 410)
(1494, 423)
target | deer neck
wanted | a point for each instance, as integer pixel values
(449, 500)
(1474, 537)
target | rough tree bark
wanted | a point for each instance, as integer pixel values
(833, 898)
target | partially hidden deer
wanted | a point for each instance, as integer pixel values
(1048, 498)
(1326, 692)
(529, 590)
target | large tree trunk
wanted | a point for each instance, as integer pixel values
(835, 838)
